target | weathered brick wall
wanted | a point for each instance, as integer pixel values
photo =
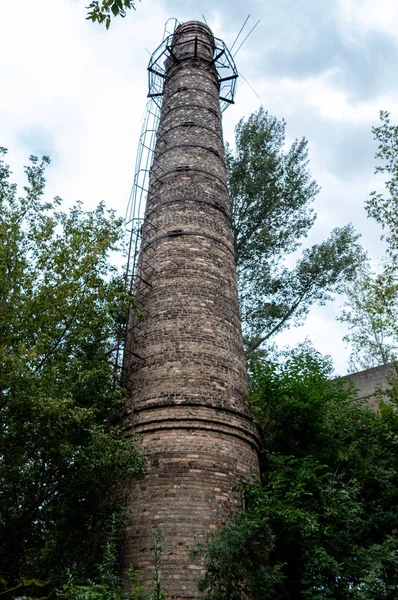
(187, 384)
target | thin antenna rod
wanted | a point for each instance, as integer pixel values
(251, 30)
(250, 86)
(204, 18)
(241, 29)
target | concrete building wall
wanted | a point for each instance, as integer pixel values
(187, 383)
(368, 381)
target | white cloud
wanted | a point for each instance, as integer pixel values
(323, 96)
(83, 87)
(367, 15)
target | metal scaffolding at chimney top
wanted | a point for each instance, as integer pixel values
(227, 76)
(137, 276)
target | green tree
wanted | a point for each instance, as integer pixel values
(61, 451)
(103, 11)
(384, 207)
(272, 194)
(371, 309)
(323, 521)
(371, 312)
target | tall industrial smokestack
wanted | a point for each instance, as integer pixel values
(187, 384)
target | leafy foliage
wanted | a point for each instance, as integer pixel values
(384, 208)
(236, 561)
(157, 592)
(108, 586)
(323, 522)
(371, 314)
(272, 192)
(61, 449)
(371, 310)
(104, 11)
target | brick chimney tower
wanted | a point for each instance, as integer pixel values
(186, 375)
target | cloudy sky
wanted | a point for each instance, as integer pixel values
(73, 91)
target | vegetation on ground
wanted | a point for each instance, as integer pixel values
(62, 452)
(323, 521)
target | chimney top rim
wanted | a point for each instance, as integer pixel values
(198, 24)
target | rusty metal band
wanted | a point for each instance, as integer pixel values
(232, 318)
(210, 69)
(201, 146)
(189, 124)
(191, 199)
(188, 169)
(185, 106)
(171, 234)
(190, 89)
(231, 303)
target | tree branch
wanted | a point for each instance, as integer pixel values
(262, 339)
